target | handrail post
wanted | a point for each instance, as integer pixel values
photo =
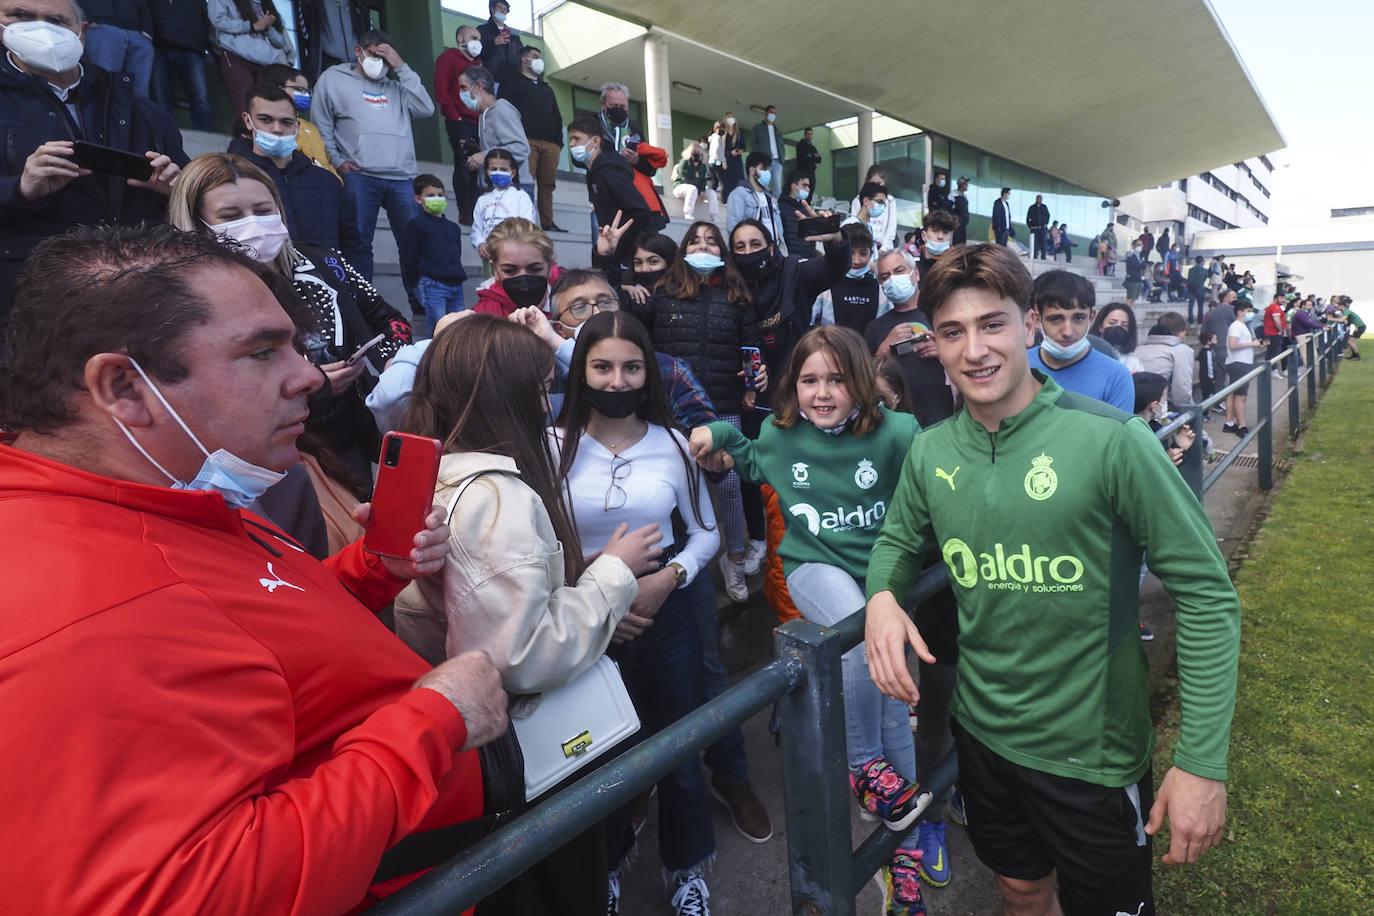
(1294, 407)
(1265, 420)
(1311, 371)
(814, 765)
(1321, 360)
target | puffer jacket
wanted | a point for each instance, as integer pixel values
(707, 332)
(503, 588)
(31, 115)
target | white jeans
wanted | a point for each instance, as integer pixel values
(687, 193)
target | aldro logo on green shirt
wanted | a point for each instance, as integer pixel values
(1021, 571)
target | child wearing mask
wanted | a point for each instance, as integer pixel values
(831, 444)
(504, 200)
(432, 255)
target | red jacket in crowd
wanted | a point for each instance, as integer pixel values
(197, 717)
(1275, 321)
(447, 68)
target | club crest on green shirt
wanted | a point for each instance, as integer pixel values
(1041, 481)
(866, 476)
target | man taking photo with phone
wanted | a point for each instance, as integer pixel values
(221, 719)
(51, 99)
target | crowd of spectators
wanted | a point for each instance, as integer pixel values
(199, 371)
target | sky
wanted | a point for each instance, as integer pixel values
(1308, 62)
(1306, 59)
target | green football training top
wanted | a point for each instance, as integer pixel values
(1042, 526)
(834, 491)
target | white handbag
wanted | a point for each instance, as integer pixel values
(562, 730)
(573, 725)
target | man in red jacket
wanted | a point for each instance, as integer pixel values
(195, 715)
(459, 120)
(1276, 327)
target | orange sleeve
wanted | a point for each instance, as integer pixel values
(774, 579)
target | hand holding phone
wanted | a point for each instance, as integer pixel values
(361, 351)
(819, 225)
(111, 161)
(407, 473)
(753, 361)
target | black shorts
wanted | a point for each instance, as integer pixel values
(1357, 333)
(1237, 371)
(1025, 824)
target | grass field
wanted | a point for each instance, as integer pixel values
(1300, 830)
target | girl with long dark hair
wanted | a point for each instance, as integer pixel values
(624, 462)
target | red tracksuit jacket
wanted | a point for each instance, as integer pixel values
(191, 722)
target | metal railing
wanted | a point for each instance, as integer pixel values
(804, 679)
(1322, 350)
(826, 872)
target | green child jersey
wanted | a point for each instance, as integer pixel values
(1355, 320)
(1042, 525)
(834, 490)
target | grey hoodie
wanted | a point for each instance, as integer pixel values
(1169, 356)
(367, 122)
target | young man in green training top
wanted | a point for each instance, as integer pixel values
(1042, 502)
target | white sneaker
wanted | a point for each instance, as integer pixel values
(735, 586)
(754, 555)
(613, 894)
(690, 897)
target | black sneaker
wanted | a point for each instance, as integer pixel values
(1230, 428)
(554, 227)
(1241, 430)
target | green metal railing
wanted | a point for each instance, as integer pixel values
(804, 678)
(826, 872)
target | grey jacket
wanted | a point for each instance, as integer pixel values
(367, 122)
(502, 589)
(500, 127)
(1169, 356)
(235, 34)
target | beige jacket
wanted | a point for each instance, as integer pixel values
(502, 589)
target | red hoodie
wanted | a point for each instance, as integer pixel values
(492, 300)
(195, 717)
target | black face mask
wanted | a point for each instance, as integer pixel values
(617, 405)
(755, 265)
(647, 278)
(525, 290)
(617, 115)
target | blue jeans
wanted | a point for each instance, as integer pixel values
(875, 725)
(438, 299)
(662, 671)
(726, 758)
(122, 51)
(189, 67)
(369, 194)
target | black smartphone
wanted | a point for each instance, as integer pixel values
(819, 225)
(112, 161)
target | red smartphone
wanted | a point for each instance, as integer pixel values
(753, 362)
(406, 475)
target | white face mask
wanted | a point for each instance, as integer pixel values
(263, 236)
(238, 481)
(474, 48)
(537, 66)
(44, 46)
(730, 121)
(373, 67)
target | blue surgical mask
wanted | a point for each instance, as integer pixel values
(238, 481)
(1069, 352)
(899, 288)
(764, 179)
(703, 262)
(273, 146)
(498, 16)
(579, 154)
(301, 100)
(468, 99)
(803, 194)
(855, 273)
(876, 210)
(934, 248)
(499, 179)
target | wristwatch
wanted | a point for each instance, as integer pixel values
(679, 572)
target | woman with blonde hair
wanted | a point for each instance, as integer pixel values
(523, 269)
(732, 142)
(233, 198)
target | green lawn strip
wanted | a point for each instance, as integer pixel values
(1301, 818)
